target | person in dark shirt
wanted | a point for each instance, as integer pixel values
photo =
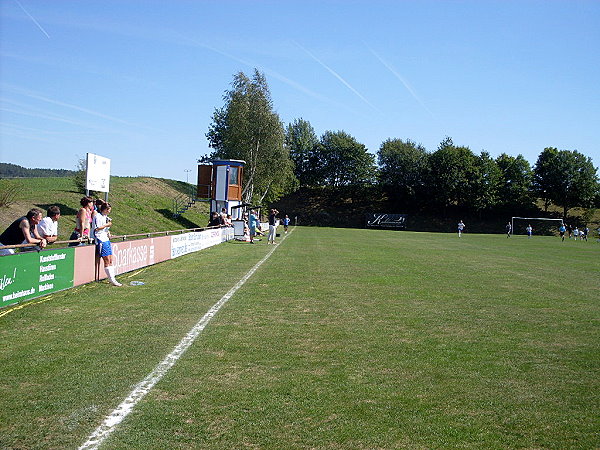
(272, 226)
(216, 220)
(23, 231)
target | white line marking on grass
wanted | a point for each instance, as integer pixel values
(139, 392)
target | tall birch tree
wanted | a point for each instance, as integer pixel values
(247, 128)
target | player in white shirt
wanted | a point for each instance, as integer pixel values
(461, 227)
(101, 226)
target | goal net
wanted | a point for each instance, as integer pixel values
(540, 225)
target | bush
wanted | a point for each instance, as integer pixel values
(9, 191)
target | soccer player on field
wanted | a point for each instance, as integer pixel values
(286, 223)
(461, 227)
(562, 230)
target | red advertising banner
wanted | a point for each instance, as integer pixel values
(85, 266)
(132, 255)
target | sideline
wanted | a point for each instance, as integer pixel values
(111, 421)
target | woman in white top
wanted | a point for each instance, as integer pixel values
(101, 226)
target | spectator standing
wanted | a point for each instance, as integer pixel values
(48, 227)
(102, 224)
(253, 224)
(83, 221)
(215, 219)
(461, 227)
(272, 226)
(23, 231)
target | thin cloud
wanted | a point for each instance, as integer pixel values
(32, 18)
(19, 128)
(53, 117)
(36, 96)
(338, 76)
(402, 80)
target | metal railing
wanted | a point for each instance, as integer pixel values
(123, 237)
(184, 201)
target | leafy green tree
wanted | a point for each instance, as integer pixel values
(545, 180)
(453, 173)
(566, 178)
(342, 161)
(403, 169)
(302, 142)
(247, 128)
(8, 170)
(516, 181)
(486, 184)
(79, 176)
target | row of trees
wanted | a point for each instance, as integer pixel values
(280, 159)
(8, 170)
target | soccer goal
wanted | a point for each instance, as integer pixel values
(547, 224)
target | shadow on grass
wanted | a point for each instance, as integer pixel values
(64, 209)
(184, 222)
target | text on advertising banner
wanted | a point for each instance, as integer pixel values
(29, 275)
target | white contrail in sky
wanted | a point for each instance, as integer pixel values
(402, 80)
(268, 71)
(31, 17)
(338, 76)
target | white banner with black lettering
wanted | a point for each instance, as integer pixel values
(183, 244)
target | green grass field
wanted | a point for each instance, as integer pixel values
(343, 338)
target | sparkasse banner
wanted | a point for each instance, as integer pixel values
(137, 254)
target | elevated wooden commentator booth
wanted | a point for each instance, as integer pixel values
(220, 182)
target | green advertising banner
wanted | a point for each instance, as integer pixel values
(28, 275)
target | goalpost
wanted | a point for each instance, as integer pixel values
(512, 221)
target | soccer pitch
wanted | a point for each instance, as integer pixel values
(342, 338)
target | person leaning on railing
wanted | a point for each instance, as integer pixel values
(48, 227)
(83, 222)
(23, 231)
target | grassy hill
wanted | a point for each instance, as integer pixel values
(140, 204)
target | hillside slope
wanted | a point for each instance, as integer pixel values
(140, 204)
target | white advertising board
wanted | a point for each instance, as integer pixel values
(98, 173)
(182, 244)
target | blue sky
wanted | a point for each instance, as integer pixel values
(137, 81)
